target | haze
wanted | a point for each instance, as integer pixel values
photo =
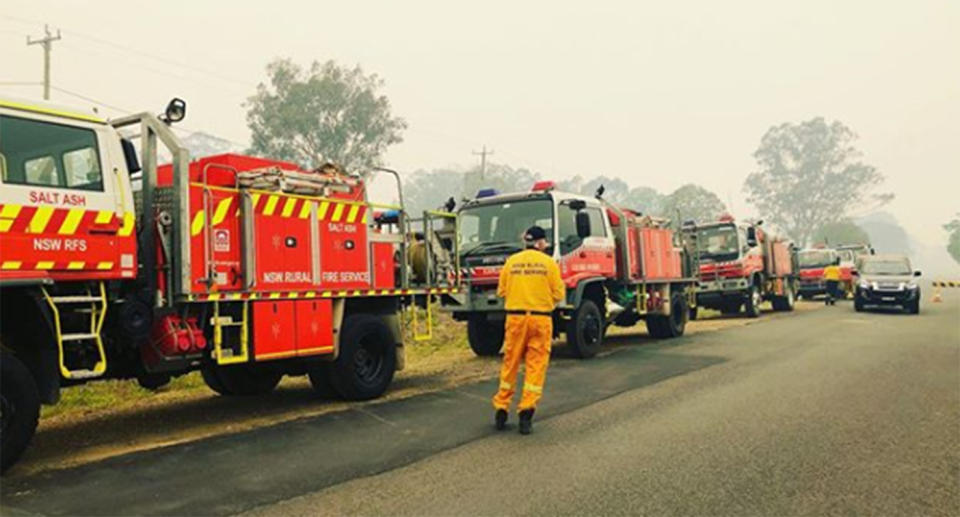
(659, 93)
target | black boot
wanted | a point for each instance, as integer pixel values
(526, 421)
(500, 419)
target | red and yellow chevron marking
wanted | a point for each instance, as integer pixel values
(293, 295)
(287, 207)
(61, 221)
(48, 265)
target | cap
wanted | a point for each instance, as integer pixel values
(534, 233)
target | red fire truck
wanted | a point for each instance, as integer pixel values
(741, 265)
(244, 268)
(619, 267)
(812, 262)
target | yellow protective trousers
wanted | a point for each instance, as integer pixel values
(527, 338)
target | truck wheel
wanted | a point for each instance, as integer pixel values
(485, 337)
(367, 360)
(666, 327)
(241, 380)
(585, 330)
(19, 408)
(857, 304)
(319, 375)
(752, 302)
(785, 302)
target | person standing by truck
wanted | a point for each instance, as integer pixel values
(531, 287)
(831, 275)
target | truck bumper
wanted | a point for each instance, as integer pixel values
(714, 293)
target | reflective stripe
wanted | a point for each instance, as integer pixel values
(128, 224)
(49, 111)
(532, 387)
(197, 225)
(352, 215)
(305, 209)
(288, 207)
(38, 223)
(103, 217)
(221, 212)
(9, 211)
(70, 223)
(271, 205)
(505, 385)
(45, 265)
(11, 264)
(322, 211)
(337, 213)
(105, 265)
(75, 265)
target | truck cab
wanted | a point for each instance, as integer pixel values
(812, 262)
(741, 265)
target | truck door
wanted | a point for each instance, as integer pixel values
(63, 207)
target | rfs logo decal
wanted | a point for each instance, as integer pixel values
(221, 240)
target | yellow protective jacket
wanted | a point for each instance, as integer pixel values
(831, 273)
(530, 281)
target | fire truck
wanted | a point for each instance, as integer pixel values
(741, 265)
(244, 268)
(619, 266)
(812, 262)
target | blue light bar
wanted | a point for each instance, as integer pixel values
(487, 192)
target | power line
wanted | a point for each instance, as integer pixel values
(126, 48)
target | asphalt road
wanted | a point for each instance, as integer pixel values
(823, 412)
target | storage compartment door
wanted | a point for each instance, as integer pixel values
(314, 326)
(274, 330)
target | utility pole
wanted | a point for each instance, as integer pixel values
(483, 160)
(47, 43)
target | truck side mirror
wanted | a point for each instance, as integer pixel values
(130, 156)
(583, 225)
(751, 236)
(917, 273)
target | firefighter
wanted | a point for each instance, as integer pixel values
(831, 275)
(531, 287)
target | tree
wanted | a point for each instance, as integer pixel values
(327, 113)
(953, 245)
(692, 202)
(616, 191)
(840, 232)
(810, 174)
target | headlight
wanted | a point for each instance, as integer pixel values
(864, 284)
(911, 285)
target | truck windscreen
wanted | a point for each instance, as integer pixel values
(719, 242)
(816, 258)
(499, 228)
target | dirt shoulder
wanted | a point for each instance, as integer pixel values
(110, 418)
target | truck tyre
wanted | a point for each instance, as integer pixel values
(319, 375)
(785, 302)
(857, 304)
(20, 401)
(485, 337)
(367, 360)
(585, 330)
(241, 380)
(752, 302)
(666, 327)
